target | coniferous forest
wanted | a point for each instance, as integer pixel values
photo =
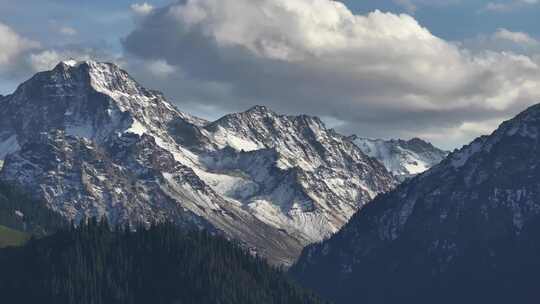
(94, 264)
(20, 212)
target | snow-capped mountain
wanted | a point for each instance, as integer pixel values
(90, 141)
(404, 158)
(465, 231)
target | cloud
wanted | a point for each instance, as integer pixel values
(12, 45)
(21, 57)
(508, 6)
(411, 6)
(68, 31)
(504, 40)
(379, 74)
(142, 9)
(408, 5)
(46, 59)
(516, 37)
(37, 59)
(159, 68)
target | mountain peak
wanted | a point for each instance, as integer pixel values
(86, 99)
(72, 63)
(69, 63)
(526, 124)
(274, 182)
(417, 140)
(404, 158)
(102, 74)
(259, 109)
(517, 135)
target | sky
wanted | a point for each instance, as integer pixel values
(443, 70)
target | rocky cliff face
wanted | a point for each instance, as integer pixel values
(465, 231)
(91, 141)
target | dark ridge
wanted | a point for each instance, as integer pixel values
(465, 231)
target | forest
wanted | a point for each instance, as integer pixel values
(94, 263)
(20, 212)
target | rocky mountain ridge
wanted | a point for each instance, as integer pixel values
(464, 231)
(90, 141)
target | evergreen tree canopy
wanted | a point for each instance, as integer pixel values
(22, 213)
(92, 264)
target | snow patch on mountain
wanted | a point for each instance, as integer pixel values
(137, 128)
(403, 158)
(224, 138)
(71, 62)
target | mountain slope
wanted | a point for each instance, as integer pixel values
(90, 141)
(91, 264)
(465, 231)
(404, 158)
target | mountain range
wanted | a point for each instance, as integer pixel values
(87, 140)
(465, 231)
(373, 221)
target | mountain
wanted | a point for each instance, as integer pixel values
(404, 158)
(92, 264)
(465, 231)
(88, 140)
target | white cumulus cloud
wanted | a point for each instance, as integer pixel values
(516, 37)
(12, 44)
(509, 5)
(380, 74)
(142, 9)
(159, 68)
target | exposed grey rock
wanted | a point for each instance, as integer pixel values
(90, 141)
